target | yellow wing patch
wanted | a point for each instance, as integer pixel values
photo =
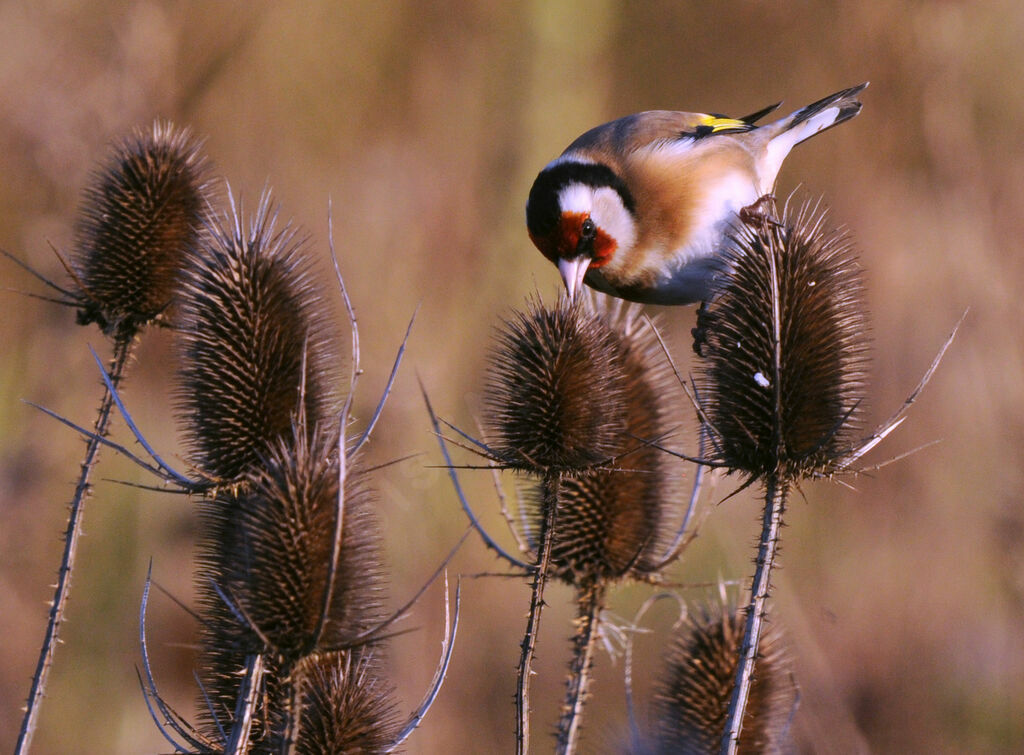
(716, 124)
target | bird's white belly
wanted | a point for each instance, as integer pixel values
(695, 264)
(715, 215)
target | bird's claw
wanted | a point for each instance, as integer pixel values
(700, 332)
(759, 213)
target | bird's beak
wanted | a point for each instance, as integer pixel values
(572, 274)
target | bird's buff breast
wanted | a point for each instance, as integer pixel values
(683, 222)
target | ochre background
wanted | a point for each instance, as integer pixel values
(424, 125)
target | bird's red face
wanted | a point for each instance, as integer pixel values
(576, 235)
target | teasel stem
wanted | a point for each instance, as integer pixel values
(552, 481)
(122, 350)
(248, 697)
(774, 505)
(143, 209)
(775, 491)
(573, 400)
(784, 381)
(590, 603)
(293, 713)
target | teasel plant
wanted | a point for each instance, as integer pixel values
(289, 576)
(693, 695)
(290, 579)
(252, 338)
(291, 588)
(576, 401)
(280, 561)
(694, 687)
(143, 210)
(784, 342)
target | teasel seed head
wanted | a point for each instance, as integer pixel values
(253, 340)
(346, 707)
(786, 348)
(270, 555)
(610, 520)
(143, 211)
(692, 697)
(554, 396)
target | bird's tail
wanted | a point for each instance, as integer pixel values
(784, 134)
(818, 116)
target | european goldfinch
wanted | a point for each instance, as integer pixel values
(639, 207)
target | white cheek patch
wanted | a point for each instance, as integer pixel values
(612, 217)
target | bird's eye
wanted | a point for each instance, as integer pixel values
(588, 229)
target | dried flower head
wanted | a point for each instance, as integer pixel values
(141, 215)
(346, 707)
(253, 340)
(692, 697)
(786, 346)
(611, 521)
(573, 397)
(287, 568)
(554, 397)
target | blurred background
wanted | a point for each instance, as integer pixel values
(424, 124)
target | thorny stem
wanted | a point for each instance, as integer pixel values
(293, 713)
(590, 602)
(774, 506)
(775, 492)
(547, 535)
(122, 348)
(245, 709)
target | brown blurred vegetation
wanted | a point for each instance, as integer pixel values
(424, 124)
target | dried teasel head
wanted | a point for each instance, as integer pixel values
(253, 341)
(785, 341)
(287, 568)
(142, 213)
(611, 520)
(554, 396)
(346, 707)
(692, 697)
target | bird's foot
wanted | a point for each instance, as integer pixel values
(700, 333)
(759, 214)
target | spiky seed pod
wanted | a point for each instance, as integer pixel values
(692, 698)
(250, 322)
(346, 707)
(554, 398)
(610, 520)
(269, 550)
(143, 211)
(786, 346)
